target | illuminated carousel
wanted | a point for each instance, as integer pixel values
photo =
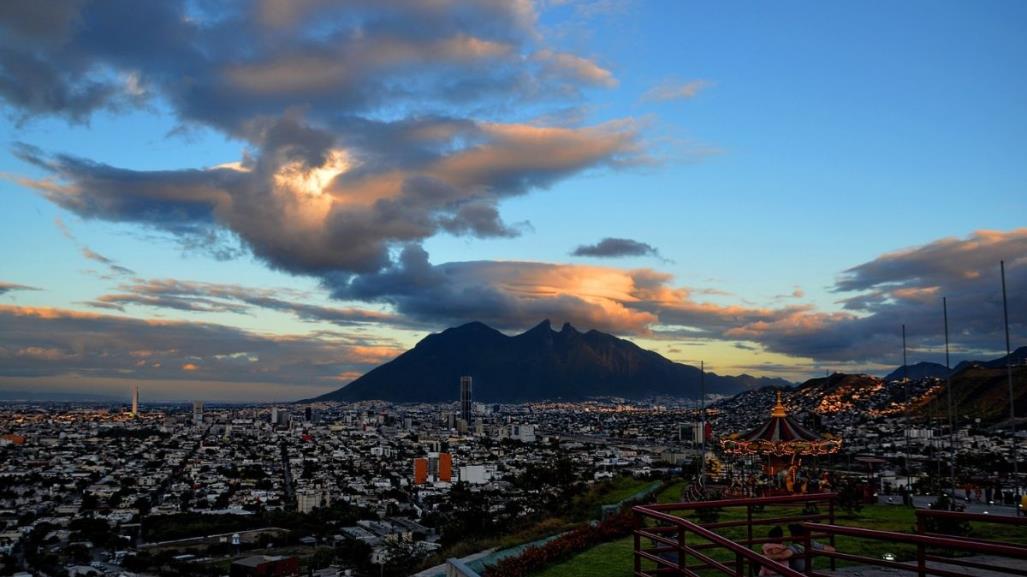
(782, 443)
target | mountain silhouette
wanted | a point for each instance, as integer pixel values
(539, 364)
(923, 370)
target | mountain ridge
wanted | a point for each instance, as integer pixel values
(538, 364)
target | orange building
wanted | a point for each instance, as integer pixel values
(420, 470)
(13, 439)
(445, 467)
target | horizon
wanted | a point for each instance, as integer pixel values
(265, 201)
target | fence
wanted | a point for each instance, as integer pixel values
(678, 546)
(671, 553)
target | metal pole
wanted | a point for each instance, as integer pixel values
(702, 421)
(905, 378)
(948, 387)
(1009, 375)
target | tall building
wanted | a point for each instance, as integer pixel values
(197, 412)
(465, 399)
(436, 468)
(135, 400)
(445, 473)
(420, 470)
(274, 415)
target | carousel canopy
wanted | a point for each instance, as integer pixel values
(780, 435)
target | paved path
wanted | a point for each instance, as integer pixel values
(864, 571)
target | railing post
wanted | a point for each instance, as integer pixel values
(807, 551)
(921, 561)
(739, 565)
(638, 558)
(830, 517)
(682, 559)
(748, 528)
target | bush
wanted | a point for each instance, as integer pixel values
(953, 527)
(533, 559)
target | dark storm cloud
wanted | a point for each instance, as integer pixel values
(616, 247)
(40, 342)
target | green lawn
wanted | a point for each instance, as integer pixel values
(621, 488)
(614, 559)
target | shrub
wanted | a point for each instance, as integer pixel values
(533, 559)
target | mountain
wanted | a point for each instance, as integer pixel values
(924, 370)
(981, 390)
(538, 364)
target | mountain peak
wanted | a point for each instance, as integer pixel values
(545, 324)
(535, 365)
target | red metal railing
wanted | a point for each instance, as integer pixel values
(922, 542)
(671, 552)
(673, 548)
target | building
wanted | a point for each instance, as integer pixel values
(274, 415)
(309, 499)
(308, 414)
(197, 412)
(477, 474)
(436, 468)
(523, 433)
(135, 400)
(420, 471)
(465, 399)
(11, 439)
(265, 566)
(445, 468)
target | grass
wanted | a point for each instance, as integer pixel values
(614, 559)
(585, 507)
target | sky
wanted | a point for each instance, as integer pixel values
(263, 200)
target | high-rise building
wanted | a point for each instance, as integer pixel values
(465, 399)
(436, 468)
(274, 415)
(420, 470)
(445, 468)
(197, 412)
(308, 414)
(135, 400)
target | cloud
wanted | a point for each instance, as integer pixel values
(675, 90)
(906, 287)
(583, 70)
(221, 298)
(51, 342)
(616, 247)
(114, 268)
(7, 287)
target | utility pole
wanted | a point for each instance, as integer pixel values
(948, 387)
(1009, 375)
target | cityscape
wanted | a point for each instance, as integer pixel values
(513, 288)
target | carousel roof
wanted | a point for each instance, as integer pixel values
(780, 435)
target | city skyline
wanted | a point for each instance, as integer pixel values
(264, 201)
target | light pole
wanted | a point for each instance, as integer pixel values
(702, 422)
(948, 388)
(1009, 375)
(905, 381)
